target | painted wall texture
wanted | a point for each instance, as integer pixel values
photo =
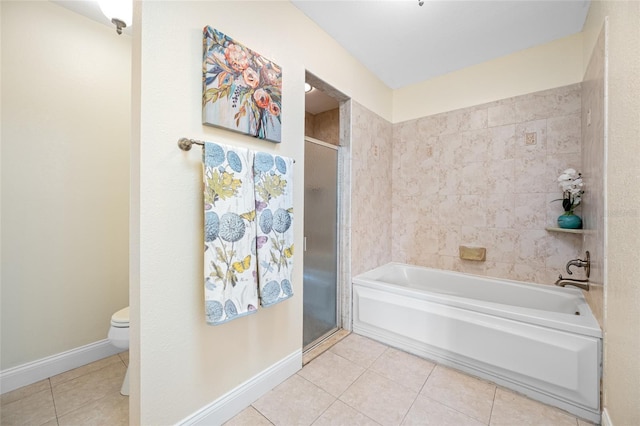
(182, 364)
(473, 177)
(621, 377)
(554, 64)
(65, 180)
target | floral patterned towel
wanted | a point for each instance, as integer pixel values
(274, 242)
(230, 233)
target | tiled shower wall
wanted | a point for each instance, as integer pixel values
(593, 116)
(371, 209)
(483, 176)
(324, 126)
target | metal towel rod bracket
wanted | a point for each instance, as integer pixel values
(185, 144)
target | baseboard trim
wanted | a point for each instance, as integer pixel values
(31, 372)
(606, 420)
(236, 400)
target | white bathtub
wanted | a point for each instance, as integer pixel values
(539, 340)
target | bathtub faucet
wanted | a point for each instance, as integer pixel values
(583, 284)
(586, 264)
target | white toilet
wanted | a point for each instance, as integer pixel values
(119, 337)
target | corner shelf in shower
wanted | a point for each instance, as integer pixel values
(568, 231)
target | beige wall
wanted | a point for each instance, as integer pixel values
(468, 177)
(182, 363)
(621, 381)
(65, 180)
(554, 64)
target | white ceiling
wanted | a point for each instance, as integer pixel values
(404, 43)
(317, 101)
(88, 9)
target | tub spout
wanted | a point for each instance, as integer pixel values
(583, 284)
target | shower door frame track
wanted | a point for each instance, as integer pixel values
(339, 240)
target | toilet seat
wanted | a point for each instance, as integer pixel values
(121, 318)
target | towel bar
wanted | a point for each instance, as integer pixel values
(185, 144)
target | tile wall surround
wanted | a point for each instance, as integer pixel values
(468, 177)
(309, 121)
(593, 139)
(371, 174)
(324, 126)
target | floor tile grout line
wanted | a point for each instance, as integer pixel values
(53, 399)
(323, 411)
(82, 375)
(384, 377)
(259, 412)
(418, 394)
(310, 382)
(338, 355)
(369, 369)
(89, 402)
(495, 386)
(364, 370)
(380, 355)
(493, 404)
(337, 398)
(425, 380)
(355, 409)
(455, 409)
(412, 404)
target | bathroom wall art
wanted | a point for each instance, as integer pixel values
(241, 90)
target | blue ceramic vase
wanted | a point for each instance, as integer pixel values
(569, 221)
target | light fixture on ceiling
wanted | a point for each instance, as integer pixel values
(307, 88)
(420, 2)
(119, 12)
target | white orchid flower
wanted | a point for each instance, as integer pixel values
(570, 181)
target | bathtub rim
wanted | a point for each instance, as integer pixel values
(583, 324)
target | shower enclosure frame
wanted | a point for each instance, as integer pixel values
(338, 191)
(344, 285)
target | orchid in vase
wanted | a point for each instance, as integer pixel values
(571, 184)
(570, 181)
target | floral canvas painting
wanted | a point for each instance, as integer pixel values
(242, 90)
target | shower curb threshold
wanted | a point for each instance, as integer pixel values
(323, 346)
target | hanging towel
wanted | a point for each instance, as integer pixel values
(229, 233)
(274, 242)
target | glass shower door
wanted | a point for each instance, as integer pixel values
(320, 315)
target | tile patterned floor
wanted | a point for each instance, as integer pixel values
(88, 395)
(358, 381)
(362, 382)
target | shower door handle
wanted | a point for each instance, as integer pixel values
(304, 244)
